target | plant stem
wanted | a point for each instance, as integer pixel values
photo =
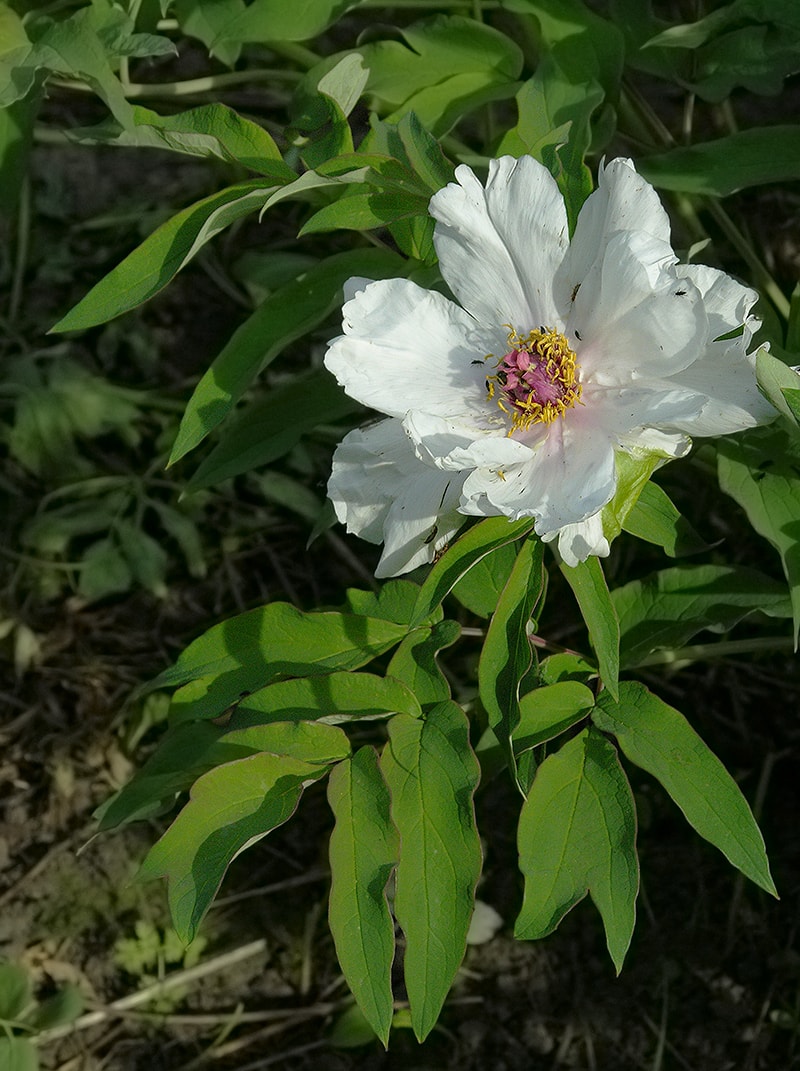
(701, 652)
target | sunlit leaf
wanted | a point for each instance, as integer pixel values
(577, 834)
(363, 850)
(231, 807)
(660, 740)
(414, 661)
(432, 773)
(600, 614)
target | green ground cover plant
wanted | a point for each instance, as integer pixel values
(363, 141)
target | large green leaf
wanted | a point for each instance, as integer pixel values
(263, 645)
(230, 808)
(667, 608)
(432, 773)
(333, 697)
(191, 749)
(600, 615)
(577, 834)
(213, 131)
(272, 425)
(288, 314)
(395, 600)
(721, 167)
(475, 544)
(660, 740)
(263, 21)
(778, 381)
(150, 267)
(363, 850)
(18, 1054)
(480, 588)
(507, 653)
(761, 471)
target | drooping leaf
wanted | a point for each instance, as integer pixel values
(600, 614)
(577, 834)
(475, 544)
(363, 850)
(658, 738)
(230, 808)
(149, 268)
(253, 649)
(432, 773)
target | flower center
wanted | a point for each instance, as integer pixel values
(536, 381)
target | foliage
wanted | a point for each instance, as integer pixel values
(271, 703)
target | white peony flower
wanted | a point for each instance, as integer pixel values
(561, 354)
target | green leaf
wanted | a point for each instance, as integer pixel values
(269, 427)
(761, 470)
(231, 807)
(633, 472)
(435, 50)
(207, 20)
(721, 167)
(363, 851)
(414, 661)
(660, 740)
(432, 773)
(160, 257)
(475, 544)
(190, 750)
(577, 834)
(146, 559)
(16, 991)
(585, 45)
(507, 653)
(544, 714)
(104, 571)
(395, 600)
(286, 315)
(213, 131)
(18, 1054)
(249, 651)
(480, 588)
(334, 697)
(263, 21)
(365, 211)
(779, 383)
(667, 608)
(63, 1007)
(565, 667)
(554, 125)
(657, 520)
(600, 615)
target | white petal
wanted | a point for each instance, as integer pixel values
(726, 301)
(635, 317)
(725, 380)
(408, 348)
(383, 493)
(623, 201)
(576, 542)
(499, 247)
(570, 476)
(447, 445)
